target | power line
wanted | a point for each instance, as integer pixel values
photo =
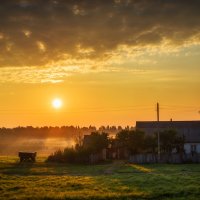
(129, 108)
(30, 111)
(63, 112)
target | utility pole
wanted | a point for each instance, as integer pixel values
(158, 119)
(158, 112)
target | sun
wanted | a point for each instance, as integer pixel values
(57, 103)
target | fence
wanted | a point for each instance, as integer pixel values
(164, 158)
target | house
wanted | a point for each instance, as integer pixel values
(95, 157)
(189, 129)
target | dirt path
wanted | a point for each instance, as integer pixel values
(114, 167)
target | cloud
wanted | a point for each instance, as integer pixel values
(54, 74)
(39, 33)
(41, 46)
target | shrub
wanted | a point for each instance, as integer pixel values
(70, 155)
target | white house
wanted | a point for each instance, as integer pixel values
(189, 129)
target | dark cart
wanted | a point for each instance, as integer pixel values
(27, 156)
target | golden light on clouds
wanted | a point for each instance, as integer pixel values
(41, 46)
(93, 30)
(1, 36)
(27, 33)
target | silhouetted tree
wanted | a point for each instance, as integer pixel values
(150, 143)
(136, 141)
(170, 140)
(97, 142)
(132, 140)
(122, 138)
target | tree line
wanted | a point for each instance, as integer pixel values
(63, 131)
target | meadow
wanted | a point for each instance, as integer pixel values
(117, 180)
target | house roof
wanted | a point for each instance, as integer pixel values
(190, 129)
(168, 124)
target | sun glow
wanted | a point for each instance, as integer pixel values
(57, 103)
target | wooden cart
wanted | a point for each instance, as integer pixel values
(27, 156)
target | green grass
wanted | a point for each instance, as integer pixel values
(108, 181)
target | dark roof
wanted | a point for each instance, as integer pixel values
(190, 129)
(168, 124)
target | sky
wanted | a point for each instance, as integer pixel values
(108, 61)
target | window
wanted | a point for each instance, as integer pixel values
(193, 148)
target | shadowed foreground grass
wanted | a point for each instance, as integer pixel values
(109, 181)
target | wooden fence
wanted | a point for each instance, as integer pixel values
(164, 158)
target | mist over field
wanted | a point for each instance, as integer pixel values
(45, 140)
(43, 146)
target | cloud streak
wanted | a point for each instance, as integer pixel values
(36, 75)
(39, 33)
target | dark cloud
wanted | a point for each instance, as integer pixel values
(36, 32)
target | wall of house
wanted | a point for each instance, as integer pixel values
(192, 147)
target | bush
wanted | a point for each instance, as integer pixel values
(70, 155)
(93, 144)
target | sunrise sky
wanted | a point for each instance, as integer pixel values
(108, 61)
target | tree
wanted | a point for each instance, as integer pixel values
(150, 143)
(170, 140)
(122, 138)
(97, 142)
(136, 141)
(132, 140)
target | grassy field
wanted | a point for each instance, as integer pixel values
(109, 181)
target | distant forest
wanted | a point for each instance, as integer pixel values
(63, 131)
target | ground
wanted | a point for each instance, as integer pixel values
(116, 180)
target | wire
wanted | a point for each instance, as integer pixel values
(81, 110)
(177, 108)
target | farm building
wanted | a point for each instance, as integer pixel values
(95, 157)
(189, 129)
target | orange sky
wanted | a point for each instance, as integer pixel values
(110, 62)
